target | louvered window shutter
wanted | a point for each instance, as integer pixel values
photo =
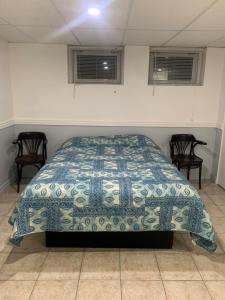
(96, 66)
(177, 68)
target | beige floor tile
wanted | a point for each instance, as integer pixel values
(177, 267)
(66, 249)
(99, 290)
(5, 208)
(101, 265)
(61, 265)
(11, 190)
(139, 266)
(16, 290)
(186, 290)
(218, 199)
(211, 266)
(22, 266)
(5, 246)
(32, 243)
(143, 290)
(140, 250)
(4, 224)
(102, 249)
(8, 198)
(221, 240)
(55, 290)
(216, 289)
(222, 208)
(3, 257)
(219, 225)
(215, 211)
(206, 199)
(213, 189)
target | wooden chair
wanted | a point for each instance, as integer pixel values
(182, 153)
(32, 150)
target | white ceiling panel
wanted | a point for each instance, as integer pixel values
(30, 13)
(147, 37)
(2, 21)
(218, 43)
(49, 34)
(12, 34)
(195, 38)
(113, 13)
(129, 22)
(213, 19)
(165, 14)
(99, 37)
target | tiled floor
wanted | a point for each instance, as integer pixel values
(185, 272)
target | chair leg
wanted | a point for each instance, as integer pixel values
(188, 173)
(200, 177)
(19, 176)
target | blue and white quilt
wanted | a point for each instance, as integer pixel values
(117, 183)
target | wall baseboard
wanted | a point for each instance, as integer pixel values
(7, 123)
(112, 123)
(106, 123)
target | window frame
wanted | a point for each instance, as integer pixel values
(104, 51)
(198, 69)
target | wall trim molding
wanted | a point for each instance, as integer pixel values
(110, 123)
(7, 123)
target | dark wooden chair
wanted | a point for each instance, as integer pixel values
(182, 153)
(32, 150)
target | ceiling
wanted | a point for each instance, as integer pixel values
(184, 23)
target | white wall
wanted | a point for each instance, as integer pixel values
(41, 93)
(6, 110)
(221, 113)
(6, 118)
(221, 120)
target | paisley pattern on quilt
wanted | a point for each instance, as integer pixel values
(117, 183)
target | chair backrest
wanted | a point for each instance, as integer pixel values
(30, 142)
(182, 143)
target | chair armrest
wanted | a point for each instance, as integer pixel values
(197, 142)
(15, 142)
(18, 143)
(200, 143)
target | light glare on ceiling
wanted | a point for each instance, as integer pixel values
(93, 11)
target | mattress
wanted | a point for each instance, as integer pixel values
(115, 183)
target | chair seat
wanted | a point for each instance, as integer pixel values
(187, 160)
(30, 159)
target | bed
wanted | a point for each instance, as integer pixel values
(116, 184)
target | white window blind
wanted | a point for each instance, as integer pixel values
(95, 65)
(176, 67)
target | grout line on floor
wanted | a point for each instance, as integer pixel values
(78, 280)
(35, 284)
(164, 288)
(201, 277)
(121, 292)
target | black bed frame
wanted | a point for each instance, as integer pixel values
(141, 239)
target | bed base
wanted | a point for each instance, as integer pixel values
(141, 239)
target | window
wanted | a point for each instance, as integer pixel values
(176, 66)
(94, 65)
